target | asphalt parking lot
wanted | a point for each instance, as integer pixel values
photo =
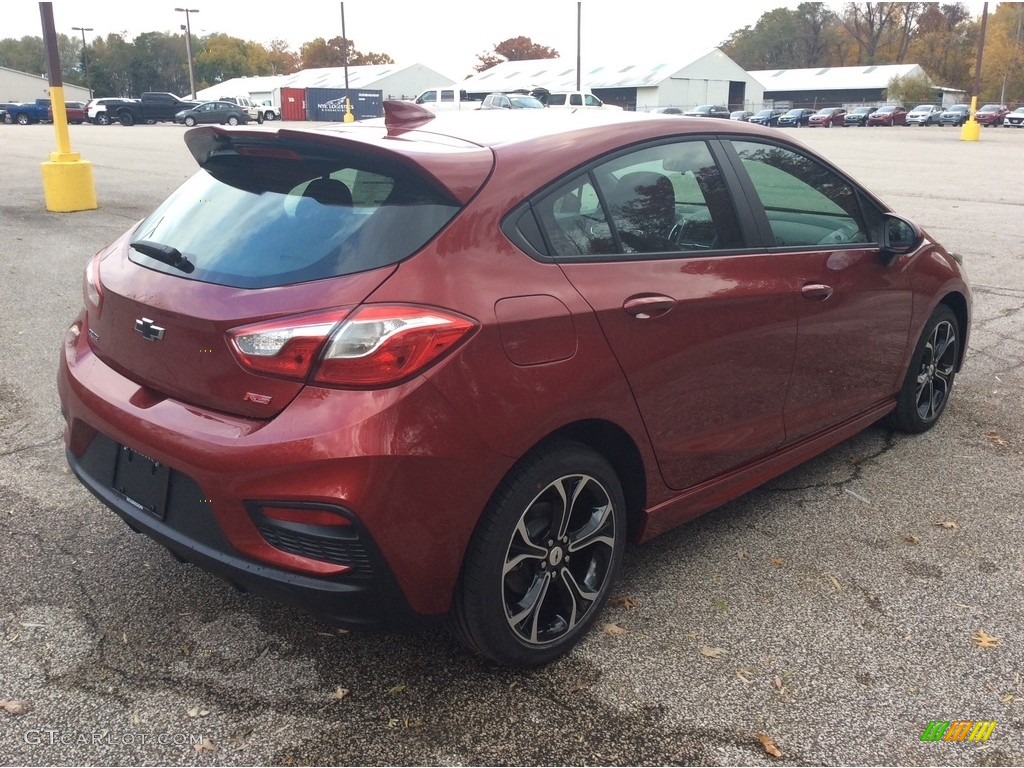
(832, 611)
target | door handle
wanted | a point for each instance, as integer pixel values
(816, 291)
(646, 307)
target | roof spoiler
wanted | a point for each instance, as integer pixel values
(405, 114)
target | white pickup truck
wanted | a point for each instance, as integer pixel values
(445, 99)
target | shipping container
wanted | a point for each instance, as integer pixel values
(328, 104)
(293, 104)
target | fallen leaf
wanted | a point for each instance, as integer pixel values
(15, 707)
(983, 639)
(341, 632)
(623, 602)
(615, 630)
(949, 525)
(769, 744)
(578, 687)
(742, 554)
(341, 693)
(693, 635)
(400, 688)
(778, 561)
(911, 539)
(31, 624)
(1008, 698)
(711, 652)
(996, 439)
(835, 583)
(744, 675)
(198, 712)
(206, 745)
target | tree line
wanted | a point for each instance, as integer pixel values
(941, 37)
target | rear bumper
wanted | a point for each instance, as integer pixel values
(194, 536)
(406, 491)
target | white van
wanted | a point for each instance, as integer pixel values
(574, 100)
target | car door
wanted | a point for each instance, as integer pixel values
(855, 305)
(703, 326)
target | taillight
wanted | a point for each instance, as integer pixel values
(91, 285)
(286, 347)
(381, 345)
(376, 345)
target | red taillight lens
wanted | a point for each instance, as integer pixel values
(286, 347)
(381, 345)
(376, 345)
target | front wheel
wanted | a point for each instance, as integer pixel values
(543, 558)
(929, 380)
(23, 119)
(190, 121)
(126, 118)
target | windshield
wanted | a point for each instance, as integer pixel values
(795, 112)
(862, 110)
(887, 110)
(261, 221)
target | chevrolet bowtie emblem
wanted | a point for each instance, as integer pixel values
(149, 331)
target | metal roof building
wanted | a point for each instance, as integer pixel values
(838, 86)
(24, 86)
(393, 80)
(709, 78)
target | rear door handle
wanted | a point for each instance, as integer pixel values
(648, 306)
(816, 291)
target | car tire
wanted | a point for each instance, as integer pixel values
(126, 118)
(929, 380)
(543, 558)
(232, 120)
(23, 119)
(102, 119)
(190, 121)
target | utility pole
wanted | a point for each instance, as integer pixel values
(188, 47)
(579, 19)
(349, 117)
(85, 56)
(971, 131)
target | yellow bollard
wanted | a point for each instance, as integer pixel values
(971, 130)
(67, 178)
(349, 117)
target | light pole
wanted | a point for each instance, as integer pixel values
(188, 47)
(349, 117)
(85, 56)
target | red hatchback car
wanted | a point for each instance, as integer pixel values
(450, 364)
(827, 117)
(888, 115)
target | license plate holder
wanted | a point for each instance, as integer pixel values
(142, 481)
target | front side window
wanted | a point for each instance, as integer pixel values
(806, 203)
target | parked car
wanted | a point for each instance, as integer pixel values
(992, 114)
(708, 110)
(827, 117)
(858, 116)
(890, 114)
(741, 114)
(574, 100)
(75, 111)
(924, 115)
(957, 114)
(96, 110)
(251, 107)
(511, 101)
(296, 389)
(1014, 119)
(152, 107)
(270, 112)
(794, 118)
(768, 117)
(214, 112)
(666, 111)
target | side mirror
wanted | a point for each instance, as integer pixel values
(898, 236)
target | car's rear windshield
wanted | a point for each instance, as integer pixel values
(281, 217)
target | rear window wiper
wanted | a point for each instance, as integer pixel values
(164, 253)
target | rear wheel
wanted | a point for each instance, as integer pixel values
(232, 120)
(543, 558)
(102, 119)
(929, 380)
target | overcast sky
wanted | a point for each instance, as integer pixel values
(445, 35)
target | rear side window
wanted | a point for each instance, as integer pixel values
(281, 218)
